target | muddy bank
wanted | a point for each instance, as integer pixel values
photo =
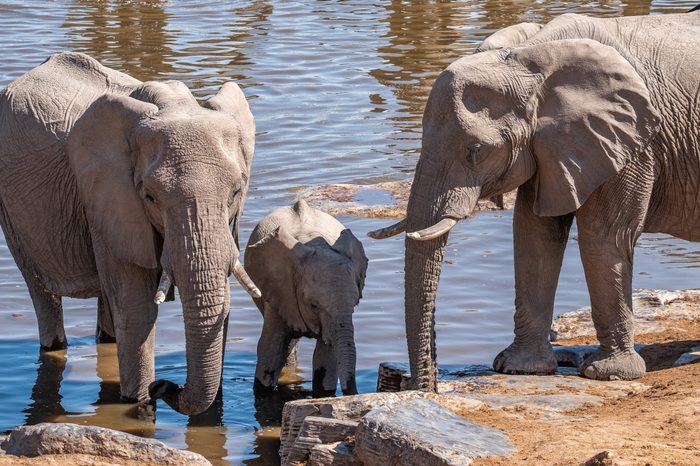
(561, 419)
(380, 200)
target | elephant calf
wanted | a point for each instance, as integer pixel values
(310, 270)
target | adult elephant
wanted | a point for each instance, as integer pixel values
(107, 182)
(589, 118)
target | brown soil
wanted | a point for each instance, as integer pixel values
(656, 427)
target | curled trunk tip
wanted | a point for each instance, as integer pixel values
(389, 231)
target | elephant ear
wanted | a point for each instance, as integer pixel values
(231, 100)
(348, 245)
(593, 114)
(509, 36)
(272, 264)
(99, 154)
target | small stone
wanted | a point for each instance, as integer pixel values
(390, 375)
(604, 458)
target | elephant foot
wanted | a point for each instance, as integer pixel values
(260, 388)
(618, 365)
(516, 359)
(103, 337)
(56, 345)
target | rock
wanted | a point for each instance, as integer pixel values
(421, 431)
(652, 310)
(542, 396)
(604, 458)
(333, 454)
(380, 200)
(350, 408)
(391, 376)
(61, 439)
(688, 358)
(317, 431)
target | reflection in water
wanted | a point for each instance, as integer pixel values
(46, 398)
(130, 35)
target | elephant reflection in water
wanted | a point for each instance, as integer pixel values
(204, 434)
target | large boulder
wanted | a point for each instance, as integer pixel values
(73, 439)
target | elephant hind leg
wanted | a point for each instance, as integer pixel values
(49, 315)
(105, 325)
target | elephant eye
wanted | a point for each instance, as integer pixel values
(473, 155)
(150, 199)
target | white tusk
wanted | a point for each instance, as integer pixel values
(163, 288)
(435, 231)
(245, 281)
(389, 231)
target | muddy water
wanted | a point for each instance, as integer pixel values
(337, 89)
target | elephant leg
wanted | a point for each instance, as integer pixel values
(607, 262)
(539, 244)
(105, 324)
(49, 315)
(325, 370)
(128, 291)
(273, 347)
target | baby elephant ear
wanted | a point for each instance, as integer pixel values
(351, 247)
(594, 115)
(101, 159)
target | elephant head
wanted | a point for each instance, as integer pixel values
(162, 181)
(564, 115)
(314, 286)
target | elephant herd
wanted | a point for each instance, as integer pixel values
(123, 190)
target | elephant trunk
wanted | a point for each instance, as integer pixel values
(343, 342)
(202, 252)
(429, 203)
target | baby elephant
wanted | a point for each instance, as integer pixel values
(310, 270)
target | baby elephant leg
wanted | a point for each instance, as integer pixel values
(273, 347)
(325, 373)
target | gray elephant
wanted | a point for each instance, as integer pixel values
(311, 272)
(105, 182)
(596, 119)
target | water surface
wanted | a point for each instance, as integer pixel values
(337, 90)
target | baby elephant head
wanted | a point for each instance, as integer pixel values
(314, 287)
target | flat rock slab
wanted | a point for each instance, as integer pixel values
(421, 431)
(653, 309)
(73, 439)
(544, 396)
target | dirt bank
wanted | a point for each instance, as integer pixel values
(658, 426)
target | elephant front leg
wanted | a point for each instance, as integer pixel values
(539, 244)
(607, 263)
(128, 290)
(273, 347)
(49, 315)
(325, 373)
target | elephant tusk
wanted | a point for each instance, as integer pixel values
(163, 288)
(435, 231)
(389, 231)
(245, 281)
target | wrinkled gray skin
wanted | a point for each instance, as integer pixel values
(311, 271)
(596, 119)
(104, 182)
